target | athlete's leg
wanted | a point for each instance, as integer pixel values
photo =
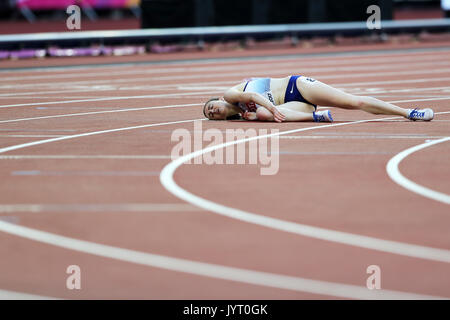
(322, 94)
(293, 111)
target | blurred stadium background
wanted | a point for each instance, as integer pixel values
(25, 17)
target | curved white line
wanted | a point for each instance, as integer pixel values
(209, 270)
(416, 251)
(13, 295)
(394, 173)
(199, 268)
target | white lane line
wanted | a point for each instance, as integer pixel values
(101, 112)
(29, 135)
(202, 269)
(98, 207)
(36, 130)
(35, 143)
(405, 91)
(393, 73)
(379, 94)
(59, 96)
(281, 68)
(406, 95)
(74, 85)
(434, 120)
(108, 99)
(359, 137)
(413, 100)
(31, 173)
(13, 295)
(330, 153)
(235, 64)
(395, 174)
(28, 93)
(213, 92)
(76, 157)
(112, 130)
(162, 107)
(209, 270)
(369, 83)
(280, 71)
(395, 247)
(197, 84)
(286, 71)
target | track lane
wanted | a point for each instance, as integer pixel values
(296, 243)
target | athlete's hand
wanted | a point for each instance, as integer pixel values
(277, 115)
(250, 116)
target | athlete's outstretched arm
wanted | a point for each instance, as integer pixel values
(293, 111)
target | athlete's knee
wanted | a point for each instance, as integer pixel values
(358, 102)
(264, 115)
(368, 104)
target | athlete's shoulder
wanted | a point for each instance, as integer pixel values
(239, 87)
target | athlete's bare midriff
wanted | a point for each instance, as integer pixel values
(277, 87)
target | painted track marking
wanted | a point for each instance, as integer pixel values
(13, 295)
(76, 157)
(215, 271)
(164, 107)
(395, 174)
(98, 207)
(239, 74)
(101, 112)
(338, 60)
(207, 269)
(107, 99)
(421, 80)
(240, 67)
(366, 242)
(35, 143)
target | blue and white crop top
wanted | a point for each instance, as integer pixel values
(258, 85)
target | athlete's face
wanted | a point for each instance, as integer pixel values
(216, 110)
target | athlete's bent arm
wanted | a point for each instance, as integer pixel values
(234, 96)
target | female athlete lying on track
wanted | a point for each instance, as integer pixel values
(295, 98)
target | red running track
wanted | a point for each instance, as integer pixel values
(141, 241)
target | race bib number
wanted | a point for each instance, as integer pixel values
(308, 80)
